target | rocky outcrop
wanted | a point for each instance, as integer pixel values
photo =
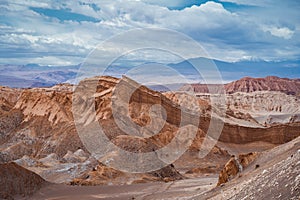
(10, 95)
(53, 103)
(236, 165)
(102, 174)
(246, 159)
(230, 170)
(16, 180)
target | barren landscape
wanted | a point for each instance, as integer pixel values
(256, 156)
(150, 99)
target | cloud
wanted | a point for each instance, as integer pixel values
(33, 30)
(282, 32)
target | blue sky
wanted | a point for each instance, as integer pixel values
(53, 32)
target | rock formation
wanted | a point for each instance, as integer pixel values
(269, 83)
(248, 84)
(231, 169)
(37, 131)
(236, 165)
(101, 175)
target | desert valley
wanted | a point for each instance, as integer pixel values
(150, 100)
(256, 156)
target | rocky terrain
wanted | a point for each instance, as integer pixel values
(266, 107)
(273, 174)
(38, 132)
(248, 84)
(269, 83)
(264, 101)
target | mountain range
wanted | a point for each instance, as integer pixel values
(33, 75)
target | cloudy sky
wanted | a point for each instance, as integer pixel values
(53, 32)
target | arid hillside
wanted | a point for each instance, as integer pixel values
(44, 129)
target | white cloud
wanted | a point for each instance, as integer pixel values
(206, 16)
(226, 35)
(282, 32)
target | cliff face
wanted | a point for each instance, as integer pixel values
(53, 104)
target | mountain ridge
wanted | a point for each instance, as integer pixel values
(250, 84)
(40, 76)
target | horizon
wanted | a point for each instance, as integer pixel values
(34, 75)
(222, 40)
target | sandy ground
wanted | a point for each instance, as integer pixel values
(170, 190)
(277, 177)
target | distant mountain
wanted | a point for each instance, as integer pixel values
(269, 83)
(231, 71)
(248, 84)
(32, 75)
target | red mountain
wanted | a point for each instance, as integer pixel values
(248, 84)
(269, 83)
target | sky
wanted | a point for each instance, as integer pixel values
(53, 32)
